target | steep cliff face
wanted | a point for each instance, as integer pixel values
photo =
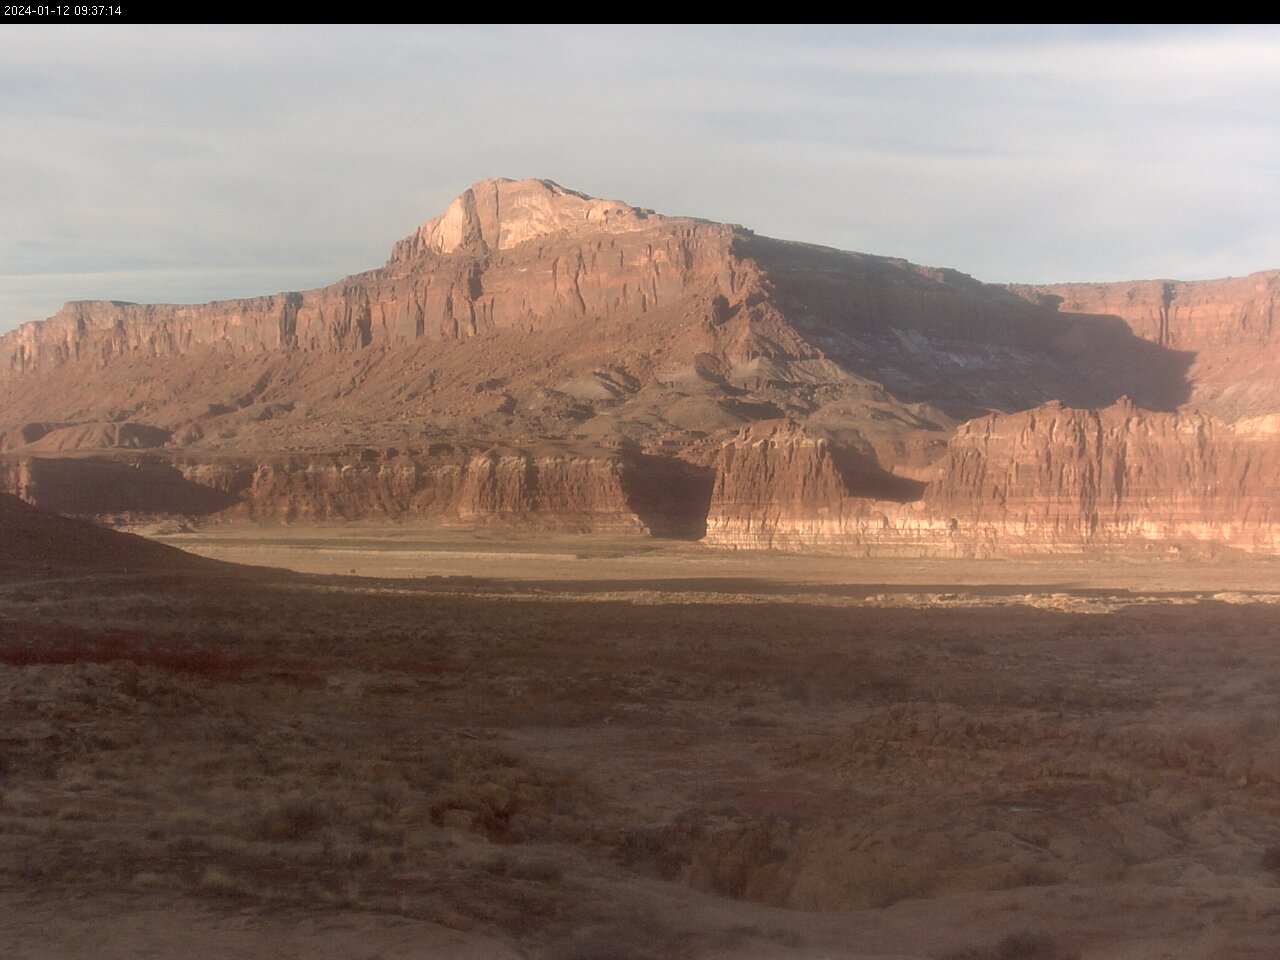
(596, 284)
(564, 490)
(454, 279)
(586, 492)
(1227, 328)
(774, 487)
(535, 355)
(1056, 478)
(1189, 315)
(500, 214)
(1053, 479)
(779, 488)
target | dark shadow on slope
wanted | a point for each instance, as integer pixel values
(37, 542)
(671, 497)
(864, 477)
(1115, 363)
(98, 486)
(940, 336)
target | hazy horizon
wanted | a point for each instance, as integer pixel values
(175, 164)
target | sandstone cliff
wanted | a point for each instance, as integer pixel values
(592, 285)
(534, 355)
(451, 280)
(1062, 479)
(500, 214)
(778, 487)
(570, 491)
(1052, 479)
(1195, 315)
(1227, 328)
(775, 487)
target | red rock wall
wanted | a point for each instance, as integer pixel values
(1184, 315)
(567, 492)
(723, 311)
(774, 488)
(1048, 480)
(541, 285)
(777, 488)
(1055, 478)
(1225, 329)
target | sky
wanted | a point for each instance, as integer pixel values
(184, 164)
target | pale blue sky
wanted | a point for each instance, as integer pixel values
(185, 164)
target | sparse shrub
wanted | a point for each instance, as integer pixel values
(1116, 657)
(381, 833)
(291, 821)
(44, 764)
(1029, 875)
(388, 795)
(604, 943)
(1028, 945)
(219, 882)
(1271, 859)
(884, 684)
(30, 870)
(147, 880)
(1020, 945)
(540, 870)
(236, 731)
(536, 869)
(797, 690)
(885, 890)
(664, 850)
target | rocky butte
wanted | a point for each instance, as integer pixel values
(536, 356)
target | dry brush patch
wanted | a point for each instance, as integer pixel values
(504, 761)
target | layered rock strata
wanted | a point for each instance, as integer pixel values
(452, 279)
(535, 355)
(571, 492)
(1227, 328)
(777, 487)
(1056, 478)
(1049, 480)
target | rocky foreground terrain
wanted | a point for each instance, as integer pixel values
(537, 357)
(624, 750)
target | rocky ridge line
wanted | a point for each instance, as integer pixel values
(535, 355)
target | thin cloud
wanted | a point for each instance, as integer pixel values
(161, 163)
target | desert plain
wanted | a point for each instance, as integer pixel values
(587, 583)
(337, 740)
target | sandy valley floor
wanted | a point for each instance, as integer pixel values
(570, 748)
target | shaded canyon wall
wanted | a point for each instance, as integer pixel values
(570, 492)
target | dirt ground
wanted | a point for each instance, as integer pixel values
(587, 749)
